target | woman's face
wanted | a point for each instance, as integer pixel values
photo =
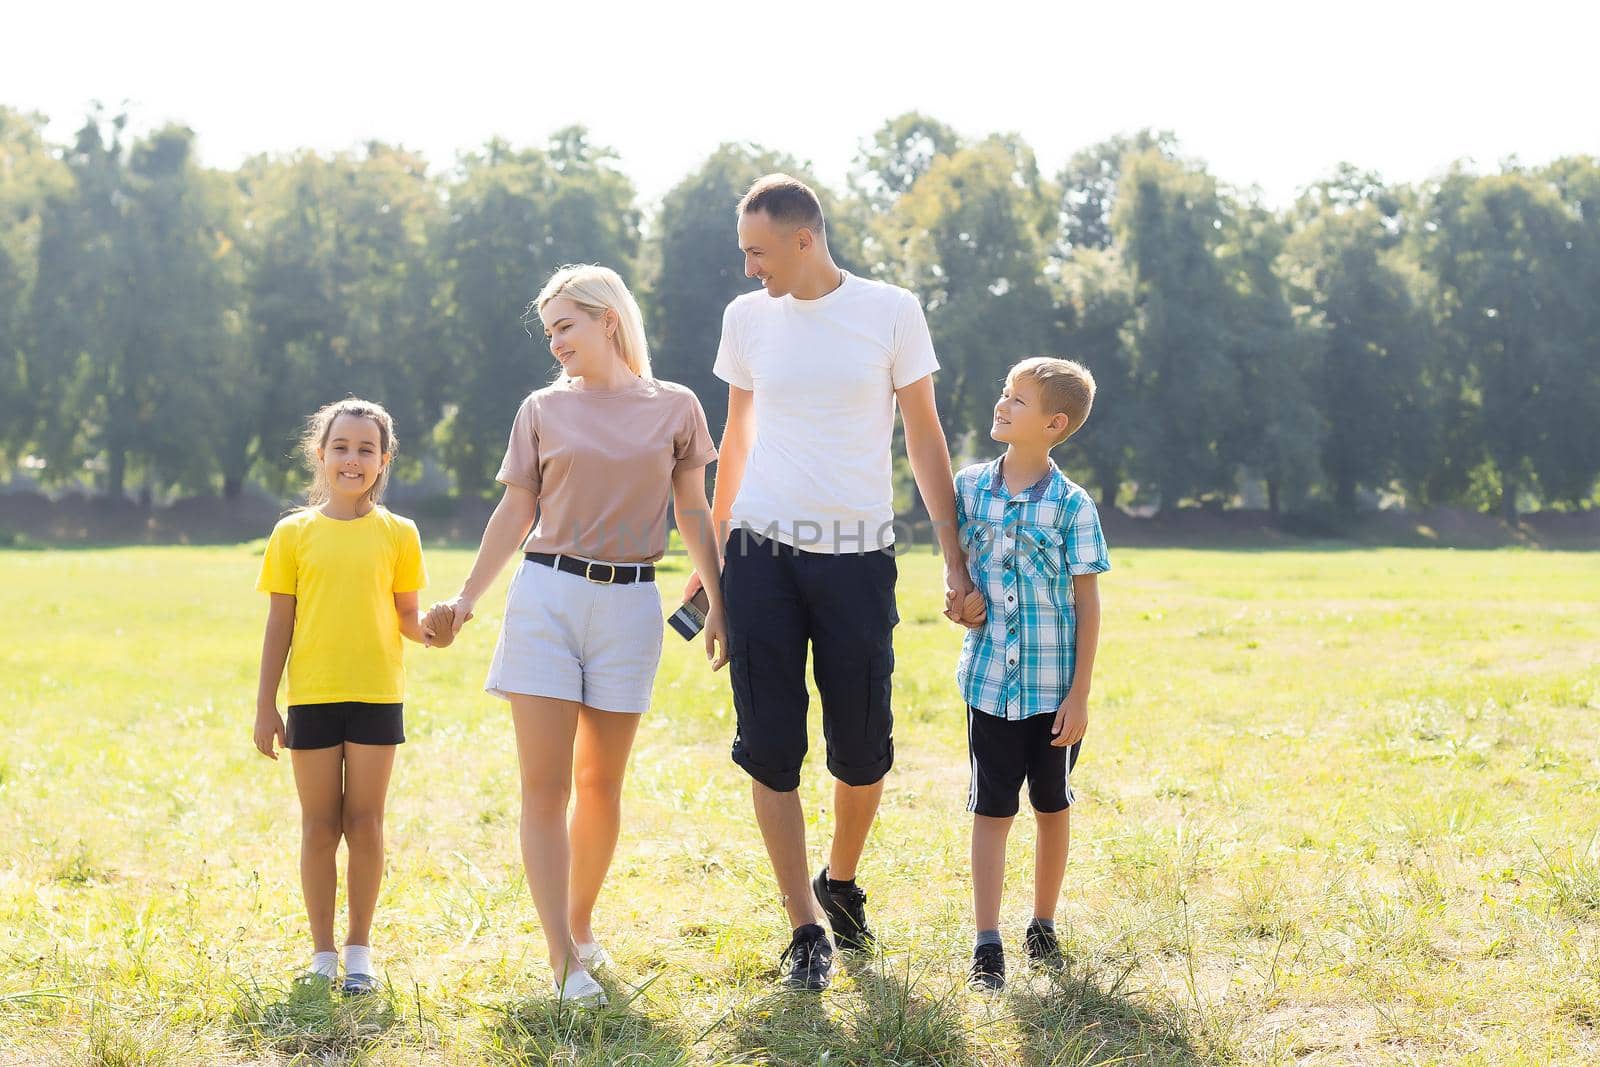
(580, 343)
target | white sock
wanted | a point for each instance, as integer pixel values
(357, 959)
(325, 964)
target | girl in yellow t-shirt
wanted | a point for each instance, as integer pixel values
(344, 574)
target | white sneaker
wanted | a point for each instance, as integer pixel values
(581, 989)
(592, 956)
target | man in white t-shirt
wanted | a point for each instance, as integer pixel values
(815, 365)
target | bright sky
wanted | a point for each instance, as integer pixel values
(1272, 94)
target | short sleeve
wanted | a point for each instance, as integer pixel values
(961, 501)
(730, 365)
(520, 467)
(410, 574)
(1085, 543)
(913, 357)
(278, 563)
(691, 445)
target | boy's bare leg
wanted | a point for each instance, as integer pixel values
(854, 808)
(988, 868)
(783, 828)
(1050, 860)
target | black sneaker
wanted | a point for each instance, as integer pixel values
(810, 959)
(1043, 948)
(988, 968)
(847, 913)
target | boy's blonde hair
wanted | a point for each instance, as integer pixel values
(315, 438)
(1065, 385)
(597, 290)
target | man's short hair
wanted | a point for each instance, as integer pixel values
(1065, 386)
(785, 200)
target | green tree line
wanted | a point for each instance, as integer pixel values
(164, 325)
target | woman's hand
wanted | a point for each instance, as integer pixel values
(716, 637)
(445, 620)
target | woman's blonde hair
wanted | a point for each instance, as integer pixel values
(315, 439)
(597, 290)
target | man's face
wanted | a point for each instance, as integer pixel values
(772, 251)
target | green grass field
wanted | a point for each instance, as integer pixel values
(1336, 806)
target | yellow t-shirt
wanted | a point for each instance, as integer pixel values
(344, 574)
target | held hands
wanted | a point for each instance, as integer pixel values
(269, 729)
(1072, 720)
(444, 621)
(962, 602)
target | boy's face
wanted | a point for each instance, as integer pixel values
(1020, 417)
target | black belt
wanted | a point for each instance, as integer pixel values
(598, 573)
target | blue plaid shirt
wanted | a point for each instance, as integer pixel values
(1022, 552)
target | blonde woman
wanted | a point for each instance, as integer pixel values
(591, 465)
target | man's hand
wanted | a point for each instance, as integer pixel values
(269, 728)
(1072, 719)
(694, 586)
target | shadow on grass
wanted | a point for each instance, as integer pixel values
(894, 1018)
(543, 1030)
(311, 1022)
(1082, 1016)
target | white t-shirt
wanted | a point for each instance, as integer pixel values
(824, 373)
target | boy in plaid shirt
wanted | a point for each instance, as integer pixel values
(1034, 548)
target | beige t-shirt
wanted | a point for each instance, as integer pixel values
(601, 463)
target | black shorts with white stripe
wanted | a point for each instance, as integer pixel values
(1006, 752)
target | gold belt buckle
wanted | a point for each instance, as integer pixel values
(612, 577)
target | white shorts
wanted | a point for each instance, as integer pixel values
(568, 638)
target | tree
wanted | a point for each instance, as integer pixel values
(343, 293)
(131, 308)
(900, 152)
(29, 175)
(1089, 185)
(1096, 316)
(514, 217)
(969, 240)
(1507, 250)
(700, 269)
(1275, 431)
(1168, 224)
(1369, 335)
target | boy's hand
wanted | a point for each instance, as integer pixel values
(958, 596)
(269, 728)
(971, 611)
(1072, 720)
(975, 612)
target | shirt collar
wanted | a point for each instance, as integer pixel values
(1048, 485)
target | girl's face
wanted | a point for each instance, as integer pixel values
(352, 456)
(581, 344)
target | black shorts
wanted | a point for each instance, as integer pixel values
(1006, 751)
(780, 600)
(327, 725)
